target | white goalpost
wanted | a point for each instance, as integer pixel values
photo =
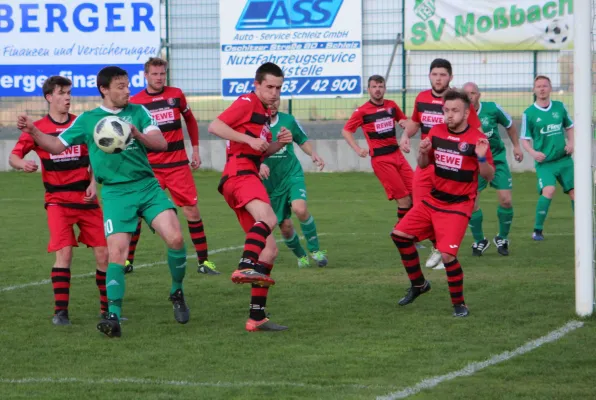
(582, 102)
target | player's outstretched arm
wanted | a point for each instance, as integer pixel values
(153, 140)
(49, 143)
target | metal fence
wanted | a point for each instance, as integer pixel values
(190, 30)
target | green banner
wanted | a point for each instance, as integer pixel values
(481, 25)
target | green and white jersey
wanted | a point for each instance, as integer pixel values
(491, 115)
(546, 128)
(284, 164)
(127, 166)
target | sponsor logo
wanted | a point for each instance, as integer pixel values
(556, 115)
(163, 116)
(448, 160)
(283, 14)
(384, 125)
(463, 147)
(424, 9)
(432, 119)
(73, 152)
(171, 102)
(551, 129)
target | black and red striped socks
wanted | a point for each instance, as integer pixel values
(409, 258)
(197, 235)
(254, 245)
(100, 281)
(61, 285)
(132, 247)
(258, 294)
(455, 280)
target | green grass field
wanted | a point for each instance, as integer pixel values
(348, 339)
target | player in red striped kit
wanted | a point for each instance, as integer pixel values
(377, 118)
(70, 197)
(245, 126)
(167, 104)
(428, 112)
(459, 153)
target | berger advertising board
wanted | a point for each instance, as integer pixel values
(317, 43)
(74, 38)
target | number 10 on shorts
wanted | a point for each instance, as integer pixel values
(108, 227)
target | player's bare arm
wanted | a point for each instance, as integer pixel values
(193, 132)
(49, 143)
(570, 140)
(349, 136)
(283, 138)
(264, 171)
(423, 152)
(91, 191)
(410, 129)
(308, 149)
(536, 155)
(485, 169)
(518, 154)
(153, 139)
(220, 129)
(24, 165)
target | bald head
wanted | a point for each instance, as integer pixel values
(471, 89)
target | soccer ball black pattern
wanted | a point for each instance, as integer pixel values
(556, 33)
(112, 134)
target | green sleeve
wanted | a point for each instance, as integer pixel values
(298, 134)
(526, 127)
(503, 117)
(146, 121)
(567, 121)
(76, 133)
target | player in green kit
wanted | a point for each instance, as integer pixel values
(545, 123)
(491, 115)
(130, 189)
(284, 180)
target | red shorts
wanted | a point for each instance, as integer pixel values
(448, 226)
(422, 183)
(180, 182)
(241, 190)
(61, 221)
(394, 173)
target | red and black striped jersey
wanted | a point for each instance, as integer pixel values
(66, 175)
(456, 166)
(378, 125)
(247, 115)
(166, 107)
(428, 112)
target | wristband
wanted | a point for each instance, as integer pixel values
(481, 159)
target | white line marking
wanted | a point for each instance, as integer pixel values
(153, 264)
(143, 381)
(474, 367)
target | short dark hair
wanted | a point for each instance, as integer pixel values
(107, 75)
(441, 63)
(53, 82)
(453, 94)
(155, 62)
(539, 77)
(376, 78)
(268, 68)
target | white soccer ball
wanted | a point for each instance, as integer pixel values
(112, 134)
(556, 33)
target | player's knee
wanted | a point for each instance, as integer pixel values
(301, 211)
(175, 240)
(64, 257)
(191, 213)
(405, 202)
(117, 254)
(101, 257)
(548, 192)
(505, 200)
(401, 234)
(286, 228)
(447, 258)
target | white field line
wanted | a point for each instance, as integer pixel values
(474, 367)
(153, 264)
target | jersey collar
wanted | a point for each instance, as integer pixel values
(156, 93)
(273, 123)
(60, 123)
(460, 132)
(543, 108)
(111, 111)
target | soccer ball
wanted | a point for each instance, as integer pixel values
(556, 33)
(112, 134)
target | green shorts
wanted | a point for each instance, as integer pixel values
(550, 173)
(281, 202)
(124, 203)
(502, 179)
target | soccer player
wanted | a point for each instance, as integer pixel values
(491, 116)
(459, 154)
(284, 180)
(428, 112)
(166, 104)
(245, 126)
(70, 197)
(378, 117)
(545, 123)
(129, 189)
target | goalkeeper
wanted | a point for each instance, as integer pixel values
(283, 177)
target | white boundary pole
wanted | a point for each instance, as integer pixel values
(582, 101)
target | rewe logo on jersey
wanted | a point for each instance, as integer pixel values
(71, 152)
(448, 160)
(283, 14)
(432, 119)
(163, 116)
(384, 125)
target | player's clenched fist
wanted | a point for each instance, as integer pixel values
(25, 123)
(404, 143)
(425, 146)
(482, 147)
(258, 144)
(284, 136)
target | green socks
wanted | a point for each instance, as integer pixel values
(177, 264)
(505, 216)
(115, 288)
(309, 229)
(294, 245)
(541, 211)
(476, 225)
